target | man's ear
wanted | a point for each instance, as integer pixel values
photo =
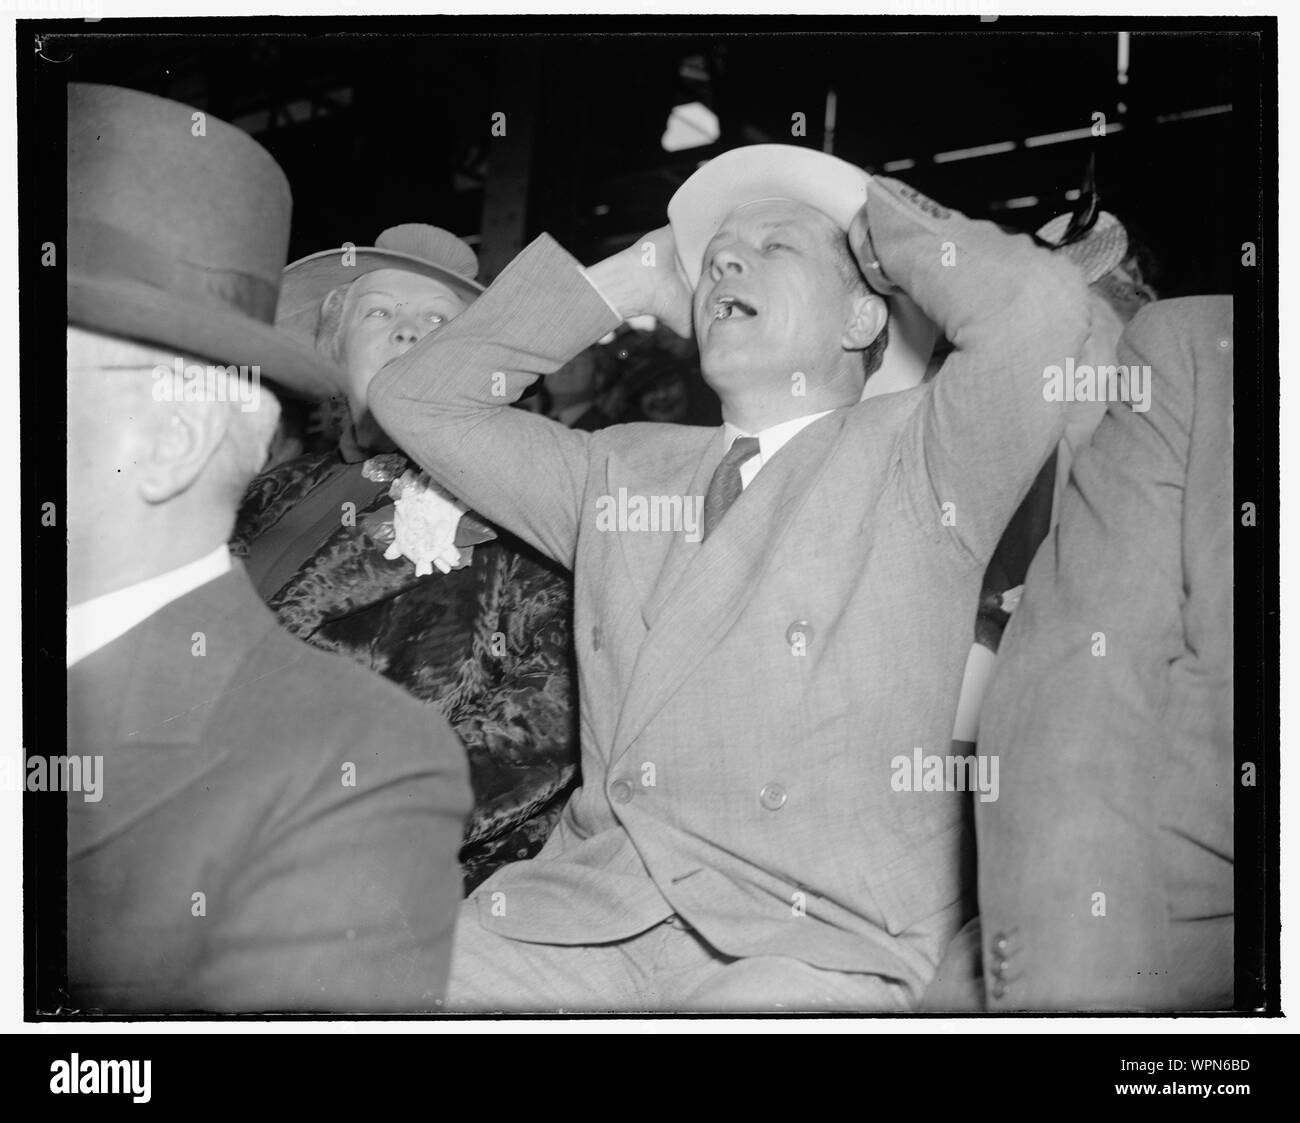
(182, 440)
(866, 320)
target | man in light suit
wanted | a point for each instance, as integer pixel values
(274, 828)
(1106, 868)
(768, 615)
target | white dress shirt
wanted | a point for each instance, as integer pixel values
(97, 622)
(770, 441)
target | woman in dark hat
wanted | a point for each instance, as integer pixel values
(358, 552)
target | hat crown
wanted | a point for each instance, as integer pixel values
(167, 196)
(432, 244)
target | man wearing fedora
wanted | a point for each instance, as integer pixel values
(484, 636)
(742, 839)
(275, 828)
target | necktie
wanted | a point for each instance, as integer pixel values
(725, 487)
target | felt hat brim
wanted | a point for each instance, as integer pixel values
(142, 312)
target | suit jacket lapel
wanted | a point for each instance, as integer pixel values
(143, 702)
(681, 551)
(655, 558)
(722, 574)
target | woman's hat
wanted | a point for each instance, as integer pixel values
(413, 247)
(1097, 252)
(178, 227)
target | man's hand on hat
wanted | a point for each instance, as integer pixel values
(645, 280)
(867, 258)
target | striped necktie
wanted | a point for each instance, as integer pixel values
(725, 487)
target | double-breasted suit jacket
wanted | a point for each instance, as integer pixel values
(742, 697)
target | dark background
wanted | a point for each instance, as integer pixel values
(378, 129)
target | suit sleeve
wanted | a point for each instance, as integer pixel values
(348, 898)
(1010, 310)
(446, 401)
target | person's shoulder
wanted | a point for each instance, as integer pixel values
(652, 445)
(889, 412)
(294, 701)
(1186, 344)
(1187, 323)
(274, 495)
(290, 471)
(658, 434)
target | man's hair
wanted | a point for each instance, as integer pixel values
(853, 279)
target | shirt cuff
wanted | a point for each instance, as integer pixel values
(587, 277)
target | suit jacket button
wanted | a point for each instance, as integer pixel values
(595, 637)
(800, 632)
(1001, 943)
(620, 791)
(773, 796)
(998, 989)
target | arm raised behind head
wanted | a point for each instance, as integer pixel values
(446, 401)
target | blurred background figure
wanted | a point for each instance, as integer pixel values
(582, 394)
(641, 374)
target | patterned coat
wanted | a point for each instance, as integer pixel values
(488, 645)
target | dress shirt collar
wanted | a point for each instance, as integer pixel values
(97, 622)
(770, 441)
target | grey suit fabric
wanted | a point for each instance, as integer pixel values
(742, 698)
(234, 862)
(1105, 868)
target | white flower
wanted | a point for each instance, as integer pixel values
(425, 518)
